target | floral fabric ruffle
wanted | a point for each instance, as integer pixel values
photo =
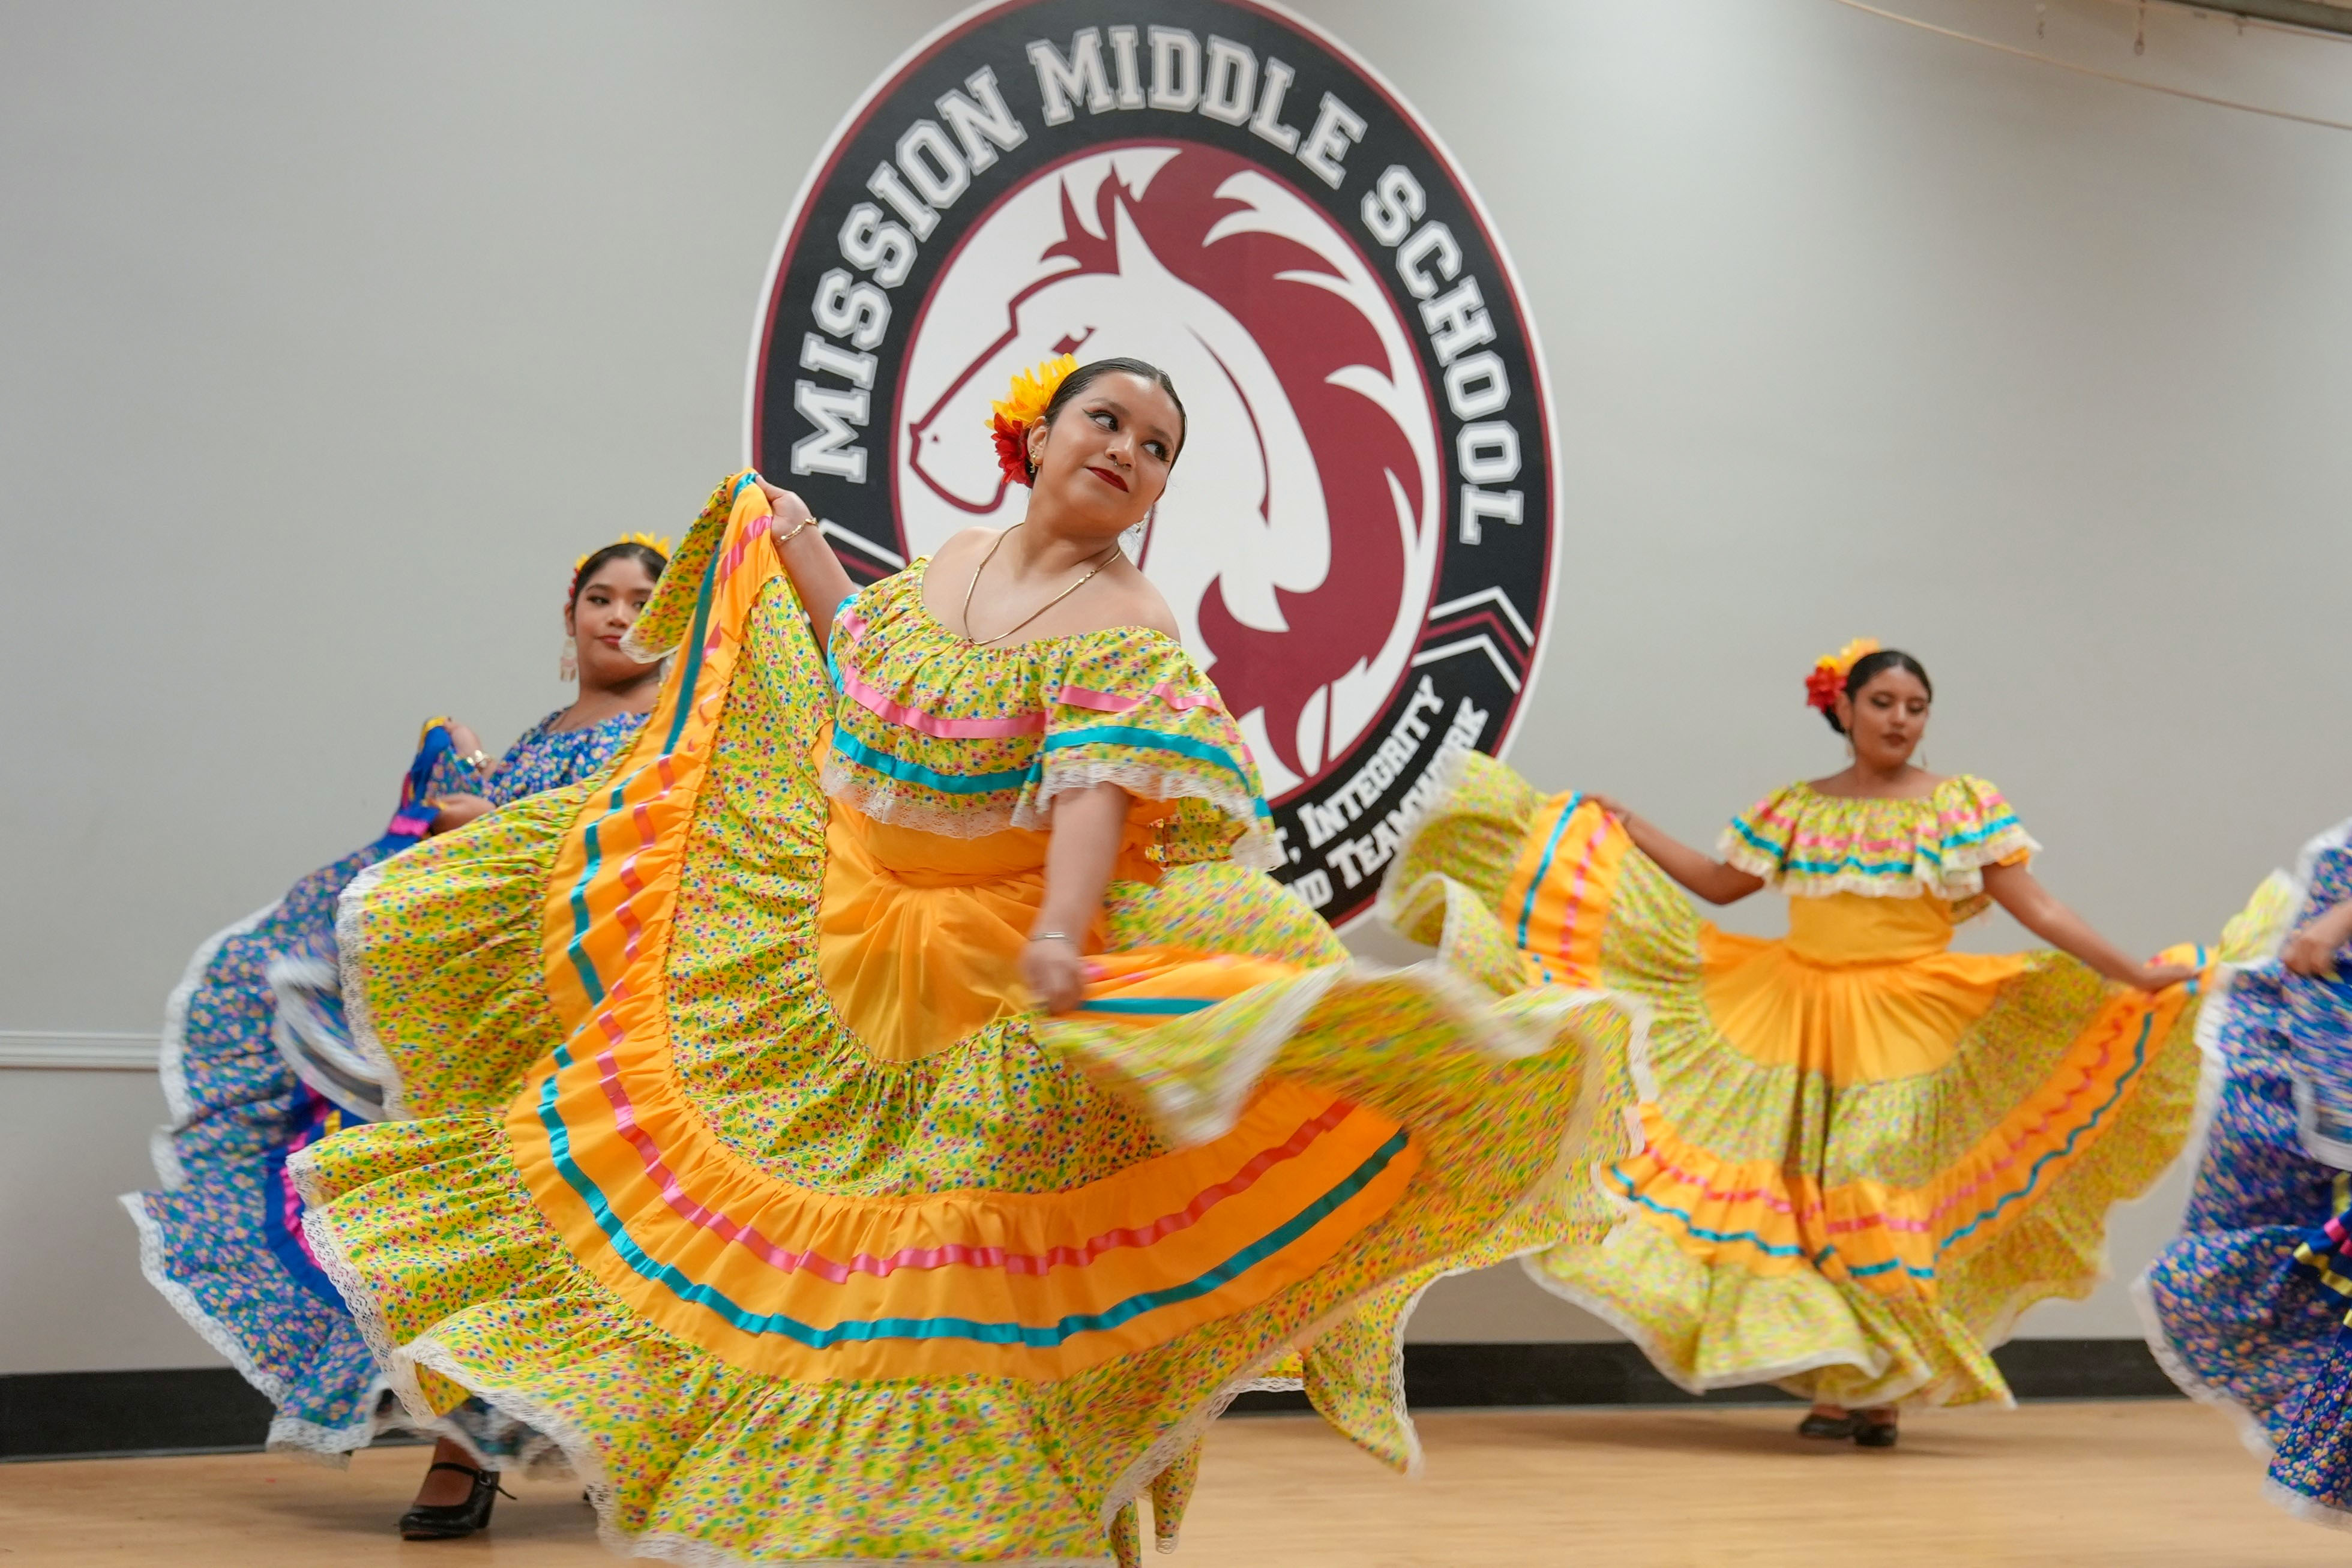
(2249, 1307)
(1842, 1172)
(259, 1063)
(783, 1300)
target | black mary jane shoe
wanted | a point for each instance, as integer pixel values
(1873, 1434)
(454, 1521)
(1828, 1428)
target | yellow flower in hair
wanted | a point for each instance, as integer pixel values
(1827, 679)
(1024, 406)
(658, 543)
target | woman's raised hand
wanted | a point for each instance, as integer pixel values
(2155, 974)
(790, 509)
(2308, 952)
(1610, 808)
(1056, 971)
(451, 811)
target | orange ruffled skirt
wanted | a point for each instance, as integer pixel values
(1845, 1161)
(742, 1167)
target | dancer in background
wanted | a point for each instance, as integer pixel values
(1857, 1155)
(259, 1063)
(792, 1214)
(2248, 1309)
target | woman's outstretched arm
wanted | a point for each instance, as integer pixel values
(1087, 826)
(809, 561)
(1706, 876)
(2037, 909)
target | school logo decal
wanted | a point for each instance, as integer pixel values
(1357, 540)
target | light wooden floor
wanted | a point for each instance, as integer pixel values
(2140, 1484)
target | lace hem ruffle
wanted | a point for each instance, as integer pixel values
(174, 1069)
(308, 1042)
(359, 1016)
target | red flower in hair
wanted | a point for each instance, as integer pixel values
(1012, 450)
(1825, 682)
(1022, 406)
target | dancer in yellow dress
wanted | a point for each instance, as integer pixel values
(1855, 1156)
(744, 1165)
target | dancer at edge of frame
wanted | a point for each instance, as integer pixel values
(891, 1121)
(1853, 1156)
(2251, 1307)
(260, 1063)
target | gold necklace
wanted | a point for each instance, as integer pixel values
(974, 584)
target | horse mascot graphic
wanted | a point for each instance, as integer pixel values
(1299, 537)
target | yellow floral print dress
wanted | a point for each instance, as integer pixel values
(1843, 1160)
(740, 1164)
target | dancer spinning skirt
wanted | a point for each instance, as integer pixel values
(2248, 1309)
(789, 1215)
(1853, 1156)
(258, 1063)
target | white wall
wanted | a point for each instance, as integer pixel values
(334, 333)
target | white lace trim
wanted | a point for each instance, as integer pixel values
(1256, 848)
(308, 1045)
(397, 1368)
(2251, 1430)
(358, 1014)
(1961, 879)
(2311, 1510)
(330, 1445)
(1443, 783)
(1275, 1386)
(164, 1155)
(642, 654)
(176, 1014)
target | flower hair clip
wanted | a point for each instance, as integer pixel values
(1022, 406)
(658, 543)
(1825, 682)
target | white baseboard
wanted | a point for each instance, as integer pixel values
(79, 1050)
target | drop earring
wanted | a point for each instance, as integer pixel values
(567, 668)
(1137, 540)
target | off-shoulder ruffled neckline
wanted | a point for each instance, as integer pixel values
(1807, 788)
(920, 569)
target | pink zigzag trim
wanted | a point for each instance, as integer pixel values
(788, 1261)
(1959, 1197)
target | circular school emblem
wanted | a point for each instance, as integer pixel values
(1358, 541)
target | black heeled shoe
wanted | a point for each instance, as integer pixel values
(1828, 1429)
(454, 1521)
(1873, 1434)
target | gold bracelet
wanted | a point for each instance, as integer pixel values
(1053, 937)
(797, 529)
(478, 758)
